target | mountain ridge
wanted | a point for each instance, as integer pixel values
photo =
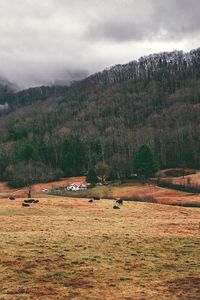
(155, 101)
(131, 70)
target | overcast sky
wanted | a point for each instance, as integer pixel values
(47, 41)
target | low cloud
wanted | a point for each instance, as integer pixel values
(49, 41)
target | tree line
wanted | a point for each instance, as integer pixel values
(32, 163)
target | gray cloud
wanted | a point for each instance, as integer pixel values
(148, 20)
(62, 40)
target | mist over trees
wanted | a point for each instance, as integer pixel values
(106, 118)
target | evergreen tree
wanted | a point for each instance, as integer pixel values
(26, 152)
(92, 176)
(145, 162)
(69, 164)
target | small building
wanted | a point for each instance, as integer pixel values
(77, 187)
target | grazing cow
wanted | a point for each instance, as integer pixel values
(116, 207)
(96, 198)
(29, 201)
(119, 201)
(11, 198)
(90, 201)
(25, 204)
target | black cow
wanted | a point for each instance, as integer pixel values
(91, 201)
(96, 198)
(11, 198)
(25, 204)
(116, 207)
(119, 201)
(29, 201)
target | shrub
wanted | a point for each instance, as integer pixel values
(180, 187)
(178, 172)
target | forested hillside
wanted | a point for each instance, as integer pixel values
(49, 132)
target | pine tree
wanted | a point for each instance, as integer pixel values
(91, 176)
(145, 162)
(26, 152)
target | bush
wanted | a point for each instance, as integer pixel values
(149, 198)
(186, 204)
(178, 172)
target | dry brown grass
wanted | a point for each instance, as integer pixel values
(70, 249)
(162, 195)
(5, 190)
(194, 179)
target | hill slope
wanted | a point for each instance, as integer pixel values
(155, 100)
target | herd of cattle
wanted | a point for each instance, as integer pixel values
(28, 202)
(118, 201)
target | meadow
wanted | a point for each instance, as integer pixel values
(68, 248)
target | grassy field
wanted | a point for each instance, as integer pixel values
(129, 189)
(64, 248)
(135, 190)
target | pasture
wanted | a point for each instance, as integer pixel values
(64, 248)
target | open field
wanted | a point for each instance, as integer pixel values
(64, 248)
(37, 187)
(131, 189)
